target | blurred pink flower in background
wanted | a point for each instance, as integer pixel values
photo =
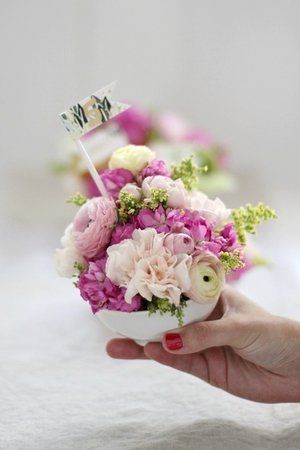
(113, 179)
(136, 124)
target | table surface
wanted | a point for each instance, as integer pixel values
(59, 390)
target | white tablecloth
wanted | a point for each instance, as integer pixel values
(59, 390)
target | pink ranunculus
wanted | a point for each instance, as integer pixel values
(113, 180)
(179, 243)
(156, 167)
(122, 232)
(136, 124)
(93, 226)
(177, 194)
(132, 189)
(101, 293)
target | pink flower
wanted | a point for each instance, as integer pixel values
(136, 124)
(133, 189)
(93, 226)
(200, 137)
(144, 265)
(189, 222)
(113, 179)
(147, 218)
(101, 293)
(177, 195)
(172, 127)
(156, 167)
(179, 243)
(226, 241)
(122, 232)
(214, 211)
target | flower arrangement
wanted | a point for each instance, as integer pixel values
(168, 134)
(156, 243)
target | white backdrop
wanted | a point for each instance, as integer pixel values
(231, 66)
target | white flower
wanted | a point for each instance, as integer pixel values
(177, 194)
(131, 157)
(214, 211)
(66, 257)
(132, 189)
(143, 265)
(207, 278)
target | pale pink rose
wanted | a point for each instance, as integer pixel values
(93, 226)
(179, 243)
(178, 195)
(133, 189)
(207, 277)
(143, 265)
(214, 211)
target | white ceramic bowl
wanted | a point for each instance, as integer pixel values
(143, 328)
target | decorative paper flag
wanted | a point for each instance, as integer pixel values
(92, 111)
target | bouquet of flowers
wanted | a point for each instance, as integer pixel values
(155, 245)
(168, 134)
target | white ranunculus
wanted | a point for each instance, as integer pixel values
(207, 277)
(214, 211)
(66, 257)
(177, 194)
(131, 157)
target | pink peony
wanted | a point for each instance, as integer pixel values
(101, 293)
(177, 194)
(136, 124)
(122, 232)
(156, 167)
(113, 179)
(93, 226)
(179, 243)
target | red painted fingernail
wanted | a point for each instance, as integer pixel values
(173, 341)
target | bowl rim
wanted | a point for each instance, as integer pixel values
(146, 312)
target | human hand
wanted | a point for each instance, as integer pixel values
(241, 348)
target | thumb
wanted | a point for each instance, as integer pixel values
(202, 335)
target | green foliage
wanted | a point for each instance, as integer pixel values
(188, 172)
(77, 199)
(129, 206)
(231, 261)
(247, 218)
(163, 306)
(158, 197)
(79, 269)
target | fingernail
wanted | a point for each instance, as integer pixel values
(173, 341)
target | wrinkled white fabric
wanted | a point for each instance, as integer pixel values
(58, 389)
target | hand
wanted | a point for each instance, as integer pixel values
(241, 348)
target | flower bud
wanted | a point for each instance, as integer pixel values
(179, 243)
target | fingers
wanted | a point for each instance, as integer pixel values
(125, 349)
(200, 336)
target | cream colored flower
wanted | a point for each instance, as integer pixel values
(66, 257)
(143, 265)
(207, 277)
(131, 157)
(214, 211)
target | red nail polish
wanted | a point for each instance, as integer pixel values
(173, 341)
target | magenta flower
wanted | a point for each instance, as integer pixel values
(136, 124)
(101, 293)
(189, 222)
(156, 167)
(122, 232)
(113, 179)
(147, 218)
